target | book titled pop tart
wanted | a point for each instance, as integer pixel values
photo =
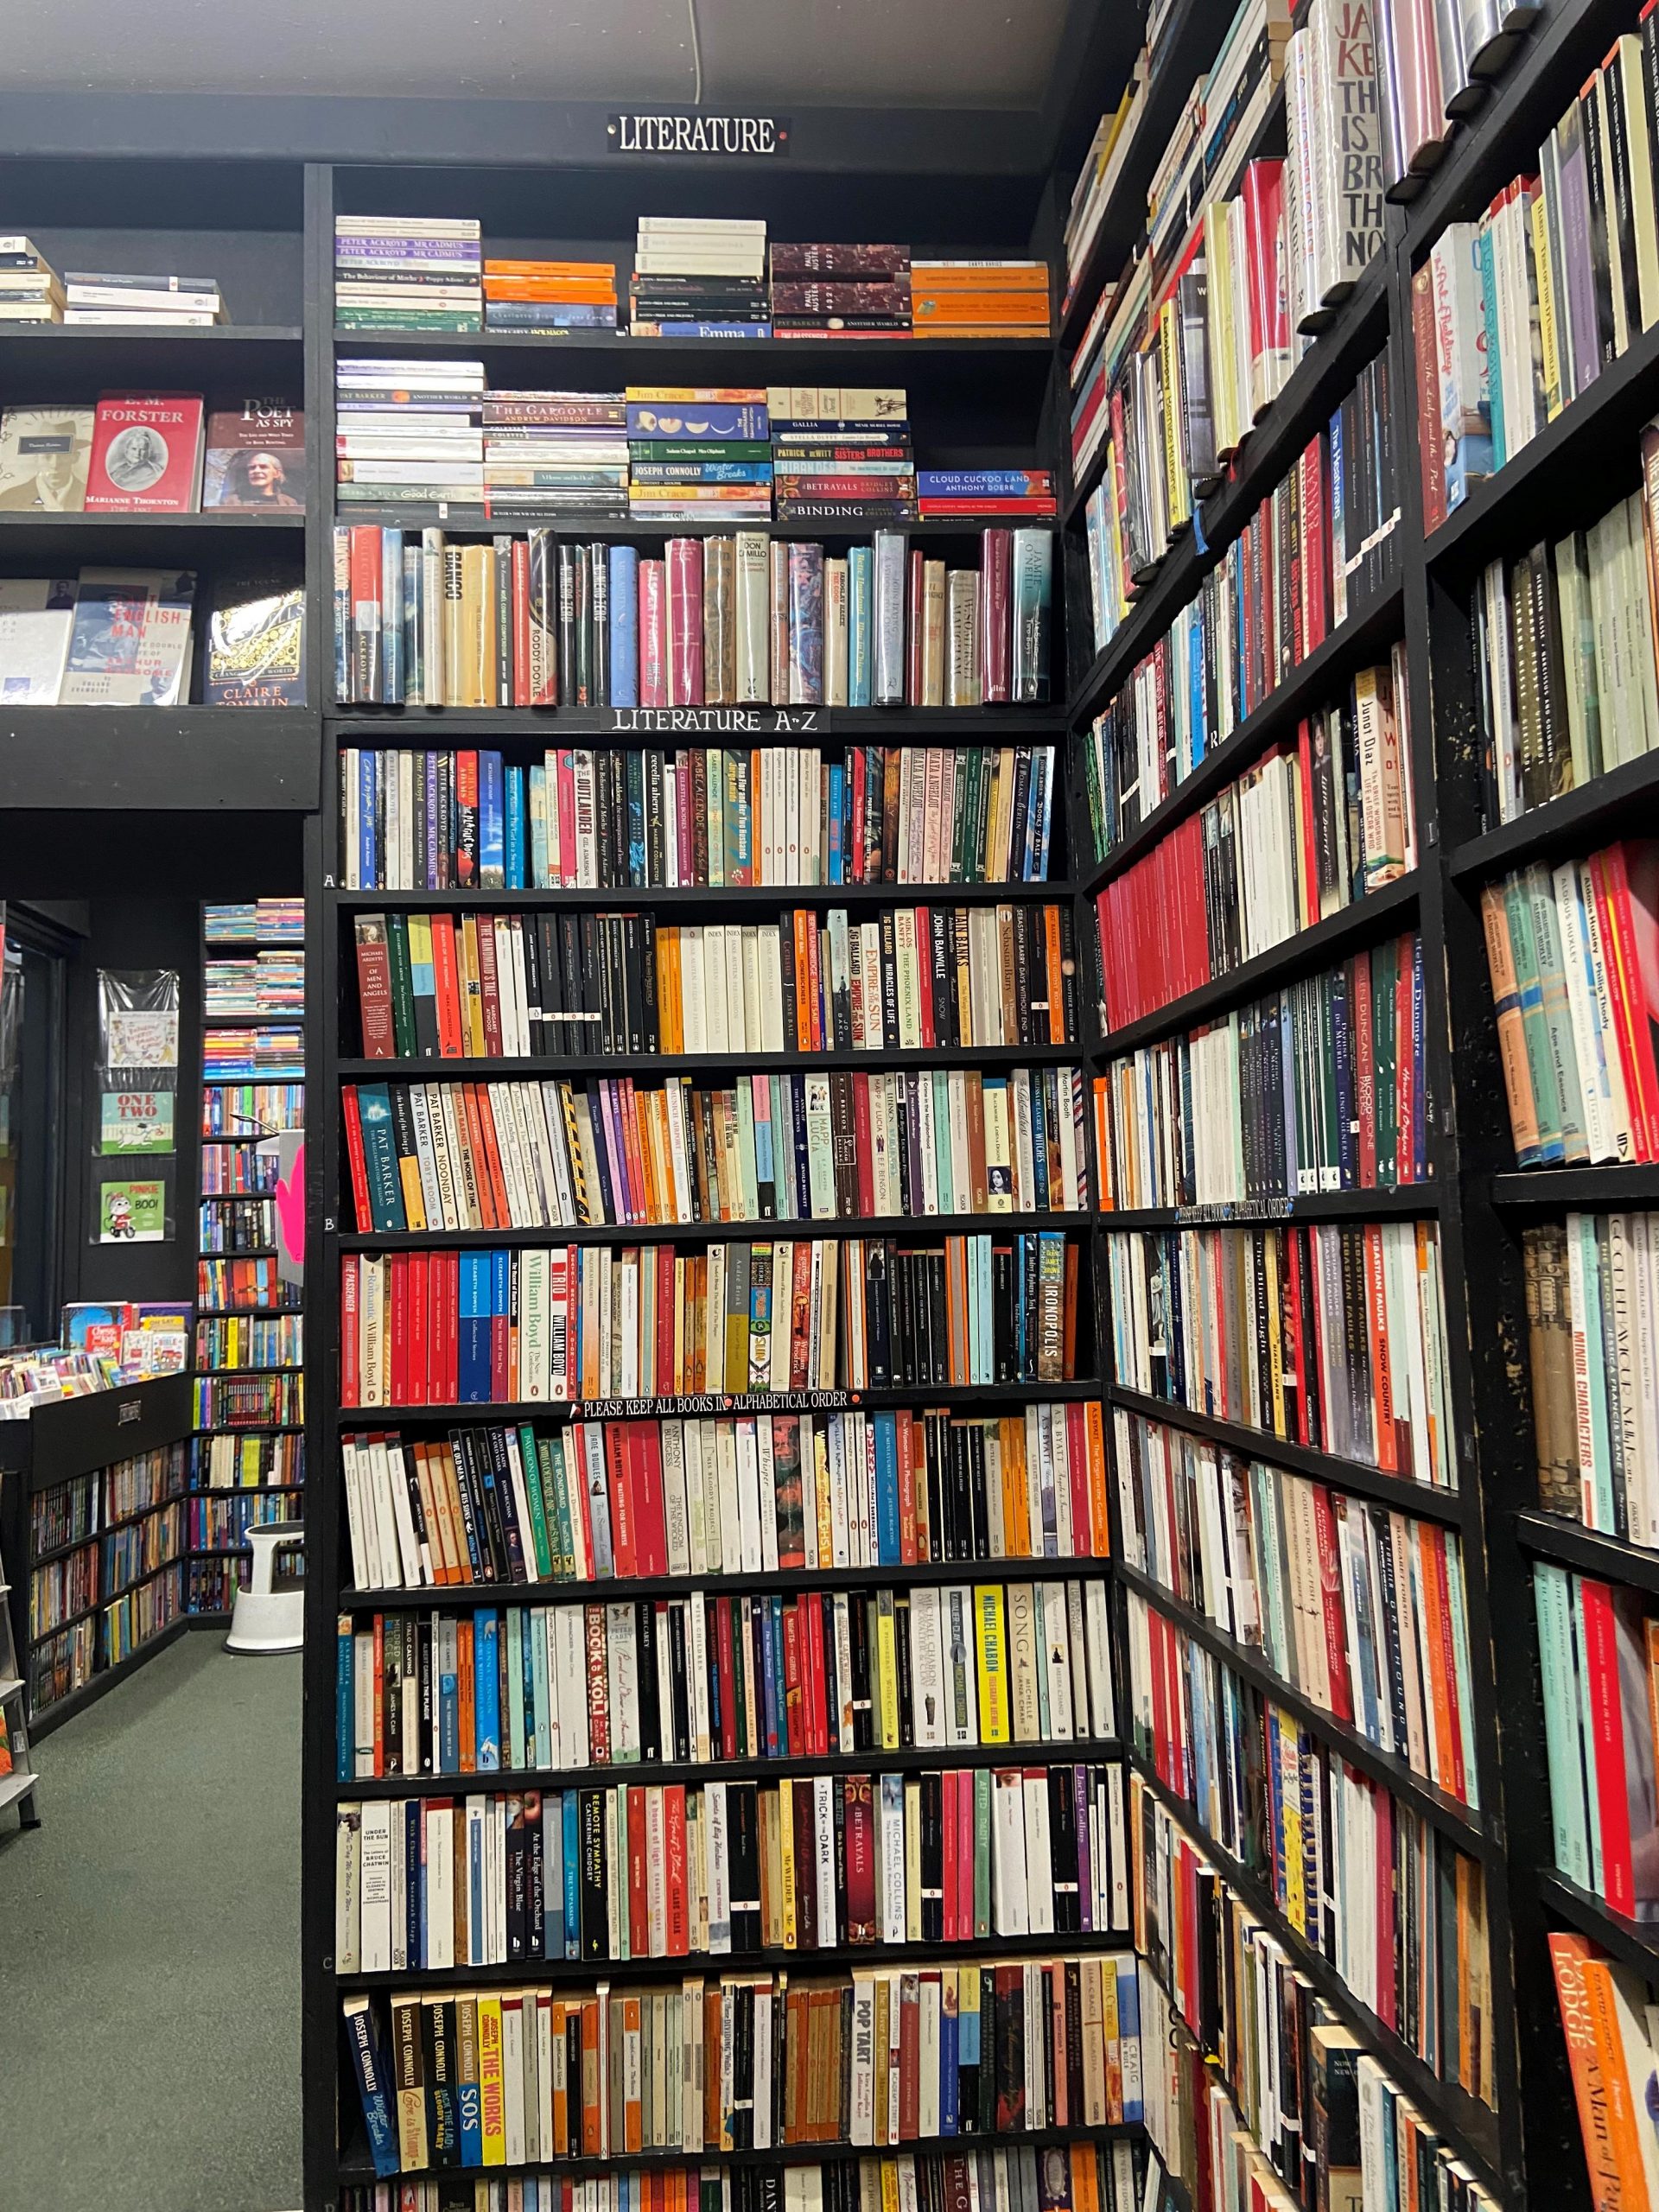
(696, 418)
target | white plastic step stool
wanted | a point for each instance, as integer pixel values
(270, 1614)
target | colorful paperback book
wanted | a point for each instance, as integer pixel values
(256, 651)
(255, 457)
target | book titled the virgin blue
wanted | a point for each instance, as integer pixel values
(625, 626)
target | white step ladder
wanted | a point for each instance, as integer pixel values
(19, 1782)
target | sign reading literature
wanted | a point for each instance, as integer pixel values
(723, 721)
(637, 133)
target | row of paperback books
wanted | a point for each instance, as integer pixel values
(1331, 1336)
(1379, 1892)
(1564, 652)
(1592, 1306)
(1320, 1087)
(248, 1462)
(665, 1871)
(1310, 828)
(522, 986)
(713, 1678)
(1358, 1607)
(693, 277)
(1085, 2177)
(725, 1494)
(511, 1324)
(1293, 2109)
(244, 1285)
(269, 983)
(751, 2062)
(75, 1512)
(249, 1340)
(699, 817)
(717, 621)
(1516, 316)
(244, 1225)
(1599, 1656)
(249, 1401)
(1302, 565)
(845, 1146)
(1571, 951)
(31, 290)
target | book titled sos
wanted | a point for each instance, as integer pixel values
(146, 454)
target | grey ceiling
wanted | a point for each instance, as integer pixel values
(783, 53)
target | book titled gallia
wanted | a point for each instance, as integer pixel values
(255, 652)
(146, 454)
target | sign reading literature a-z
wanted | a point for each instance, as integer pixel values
(640, 132)
(723, 721)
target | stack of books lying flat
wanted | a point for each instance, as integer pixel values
(394, 272)
(699, 278)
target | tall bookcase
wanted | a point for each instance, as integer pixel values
(245, 1469)
(972, 404)
(541, 184)
(1523, 2144)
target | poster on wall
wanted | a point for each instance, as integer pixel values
(131, 1212)
(135, 1120)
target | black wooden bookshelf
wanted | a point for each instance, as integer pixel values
(107, 182)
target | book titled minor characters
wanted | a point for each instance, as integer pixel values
(256, 648)
(255, 456)
(43, 456)
(146, 454)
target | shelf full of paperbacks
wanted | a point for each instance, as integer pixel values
(521, 1325)
(697, 817)
(803, 2060)
(432, 433)
(693, 277)
(960, 1854)
(525, 621)
(503, 986)
(727, 1495)
(726, 1679)
(1083, 2176)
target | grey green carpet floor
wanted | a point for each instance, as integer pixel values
(150, 2011)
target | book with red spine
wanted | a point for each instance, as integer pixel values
(354, 1155)
(683, 614)
(350, 1381)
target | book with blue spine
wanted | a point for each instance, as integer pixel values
(838, 856)
(514, 878)
(625, 625)
(367, 815)
(472, 1344)
(888, 1542)
(570, 1830)
(345, 1699)
(491, 826)
(860, 574)
(369, 2058)
(380, 1156)
(486, 1690)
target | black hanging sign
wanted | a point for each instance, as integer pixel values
(723, 721)
(640, 132)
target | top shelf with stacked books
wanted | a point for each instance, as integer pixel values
(1182, 374)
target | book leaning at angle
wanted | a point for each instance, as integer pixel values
(130, 638)
(44, 452)
(36, 615)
